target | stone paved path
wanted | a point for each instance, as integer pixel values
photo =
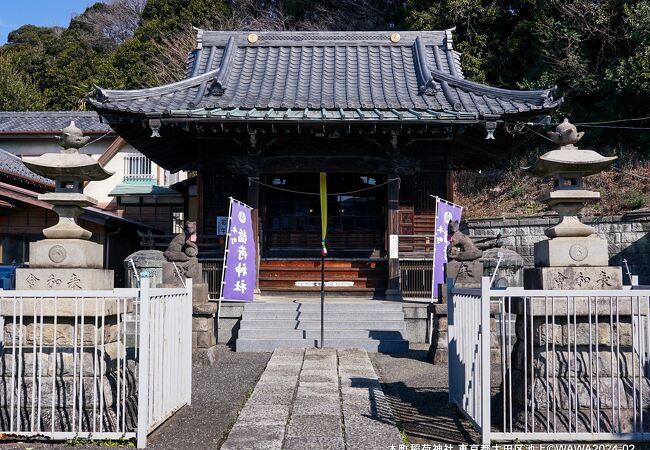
(418, 394)
(316, 399)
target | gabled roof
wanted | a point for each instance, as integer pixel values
(50, 122)
(325, 75)
(12, 166)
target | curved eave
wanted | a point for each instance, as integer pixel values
(104, 95)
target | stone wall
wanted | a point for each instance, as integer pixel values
(66, 363)
(628, 237)
(577, 360)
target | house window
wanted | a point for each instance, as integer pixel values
(178, 217)
(137, 167)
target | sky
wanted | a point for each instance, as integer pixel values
(15, 13)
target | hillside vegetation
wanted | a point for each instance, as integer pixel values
(509, 192)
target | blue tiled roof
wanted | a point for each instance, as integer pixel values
(325, 76)
(13, 167)
(50, 122)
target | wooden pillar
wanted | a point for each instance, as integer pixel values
(451, 179)
(199, 202)
(393, 290)
(253, 201)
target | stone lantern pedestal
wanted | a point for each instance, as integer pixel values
(66, 259)
(574, 357)
(573, 257)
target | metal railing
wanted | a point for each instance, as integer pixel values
(416, 277)
(212, 269)
(575, 366)
(416, 265)
(137, 167)
(89, 364)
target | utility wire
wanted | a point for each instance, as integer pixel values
(601, 124)
(98, 139)
(391, 180)
(539, 134)
(635, 119)
(614, 127)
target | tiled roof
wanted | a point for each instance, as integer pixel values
(325, 75)
(13, 167)
(50, 122)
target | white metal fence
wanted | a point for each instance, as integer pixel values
(576, 365)
(468, 332)
(93, 364)
(137, 167)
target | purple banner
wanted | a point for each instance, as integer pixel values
(239, 272)
(445, 213)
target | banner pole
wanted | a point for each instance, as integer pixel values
(323, 214)
(322, 300)
(433, 271)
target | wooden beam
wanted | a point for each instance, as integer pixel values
(244, 165)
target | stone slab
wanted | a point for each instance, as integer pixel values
(261, 437)
(466, 274)
(314, 426)
(205, 309)
(190, 269)
(314, 442)
(200, 293)
(68, 253)
(572, 278)
(264, 415)
(64, 279)
(571, 251)
(67, 307)
(307, 406)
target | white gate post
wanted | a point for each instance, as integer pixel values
(187, 339)
(143, 363)
(451, 372)
(486, 422)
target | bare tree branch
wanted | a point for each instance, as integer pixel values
(114, 22)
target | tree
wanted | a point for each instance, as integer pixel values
(596, 53)
(17, 92)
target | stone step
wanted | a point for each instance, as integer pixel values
(337, 314)
(371, 345)
(369, 305)
(272, 333)
(315, 324)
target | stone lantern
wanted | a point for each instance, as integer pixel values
(66, 259)
(574, 257)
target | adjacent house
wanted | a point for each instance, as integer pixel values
(139, 189)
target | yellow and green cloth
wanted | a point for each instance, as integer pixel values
(323, 211)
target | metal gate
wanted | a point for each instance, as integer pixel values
(94, 364)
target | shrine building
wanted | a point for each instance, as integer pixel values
(387, 115)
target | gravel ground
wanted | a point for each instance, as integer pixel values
(418, 394)
(218, 393)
